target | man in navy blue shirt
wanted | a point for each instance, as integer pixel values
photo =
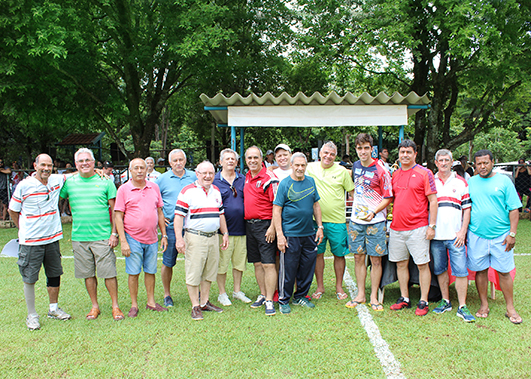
(230, 184)
(296, 202)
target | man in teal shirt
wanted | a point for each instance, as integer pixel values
(92, 203)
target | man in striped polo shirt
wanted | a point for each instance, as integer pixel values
(453, 217)
(34, 210)
(92, 199)
(199, 210)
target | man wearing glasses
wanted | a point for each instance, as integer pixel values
(413, 225)
(230, 184)
(199, 210)
(91, 197)
(34, 210)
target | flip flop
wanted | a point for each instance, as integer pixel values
(341, 295)
(483, 314)
(377, 307)
(353, 303)
(317, 295)
(515, 318)
(93, 314)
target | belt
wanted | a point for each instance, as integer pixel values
(253, 220)
(200, 233)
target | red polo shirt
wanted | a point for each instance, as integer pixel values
(258, 194)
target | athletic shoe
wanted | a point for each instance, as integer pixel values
(259, 301)
(285, 309)
(168, 302)
(400, 304)
(465, 314)
(196, 313)
(224, 300)
(211, 307)
(59, 314)
(422, 308)
(303, 302)
(269, 308)
(32, 322)
(241, 296)
(443, 307)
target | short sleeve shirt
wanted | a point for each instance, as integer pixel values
(492, 200)
(297, 199)
(259, 193)
(140, 208)
(170, 186)
(233, 205)
(411, 189)
(452, 198)
(89, 201)
(39, 220)
(200, 208)
(331, 184)
(372, 184)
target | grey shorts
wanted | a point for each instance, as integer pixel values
(31, 258)
(409, 242)
(92, 256)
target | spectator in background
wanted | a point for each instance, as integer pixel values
(270, 160)
(108, 170)
(346, 162)
(459, 170)
(5, 173)
(468, 169)
(161, 162)
(522, 182)
(384, 157)
(152, 174)
(16, 176)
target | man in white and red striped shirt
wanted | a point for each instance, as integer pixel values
(199, 210)
(34, 210)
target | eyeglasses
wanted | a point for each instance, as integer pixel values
(234, 193)
(206, 173)
(85, 161)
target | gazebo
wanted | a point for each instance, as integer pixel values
(316, 110)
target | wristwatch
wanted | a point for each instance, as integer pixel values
(114, 234)
(164, 236)
(320, 227)
(512, 234)
(433, 226)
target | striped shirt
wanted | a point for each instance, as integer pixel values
(453, 198)
(200, 208)
(39, 220)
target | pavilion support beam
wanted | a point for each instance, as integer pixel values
(242, 148)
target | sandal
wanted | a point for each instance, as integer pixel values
(317, 295)
(117, 314)
(353, 303)
(341, 295)
(377, 307)
(515, 318)
(93, 314)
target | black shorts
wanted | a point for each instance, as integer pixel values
(258, 250)
(31, 258)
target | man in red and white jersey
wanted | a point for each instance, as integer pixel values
(34, 210)
(199, 210)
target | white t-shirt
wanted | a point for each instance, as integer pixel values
(282, 174)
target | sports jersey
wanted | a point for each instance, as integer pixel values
(411, 189)
(372, 184)
(259, 193)
(200, 208)
(39, 220)
(453, 198)
(331, 184)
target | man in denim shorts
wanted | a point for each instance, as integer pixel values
(372, 194)
(413, 225)
(138, 210)
(492, 231)
(453, 216)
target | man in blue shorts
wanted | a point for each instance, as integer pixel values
(170, 184)
(492, 231)
(296, 202)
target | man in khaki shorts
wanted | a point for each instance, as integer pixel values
(91, 199)
(413, 226)
(230, 184)
(199, 210)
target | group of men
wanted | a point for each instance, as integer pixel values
(279, 219)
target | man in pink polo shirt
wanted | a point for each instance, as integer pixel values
(138, 210)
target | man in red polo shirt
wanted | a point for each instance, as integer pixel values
(259, 193)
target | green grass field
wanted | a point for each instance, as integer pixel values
(326, 342)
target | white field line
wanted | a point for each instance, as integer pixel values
(389, 364)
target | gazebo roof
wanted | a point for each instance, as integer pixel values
(74, 139)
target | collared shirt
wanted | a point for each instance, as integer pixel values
(372, 185)
(170, 186)
(331, 184)
(259, 193)
(453, 198)
(140, 208)
(39, 221)
(200, 208)
(233, 205)
(410, 206)
(153, 175)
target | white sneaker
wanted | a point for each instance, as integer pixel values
(224, 300)
(241, 296)
(32, 322)
(59, 314)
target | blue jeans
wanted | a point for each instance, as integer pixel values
(440, 258)
(141, 255)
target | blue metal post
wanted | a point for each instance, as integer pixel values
(242, 148)
(401, 134)
(233, 138)
(380, 139)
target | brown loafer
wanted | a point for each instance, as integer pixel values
(133, 312)
(196, 313)
(211, 307)
(117, 314)
(157, 308)
(93, 314)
